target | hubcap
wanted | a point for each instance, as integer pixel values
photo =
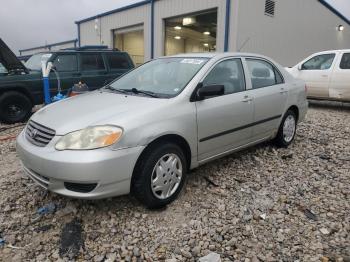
(289, 128)
(166, 176)
(14, 110)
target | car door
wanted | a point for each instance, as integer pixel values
(93, 70)
(118, 64)
(339, 87)
(316, 72)
(269, 94)
(223, 121)
(67, 73)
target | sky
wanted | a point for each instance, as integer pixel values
(29, 23)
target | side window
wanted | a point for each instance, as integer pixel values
(320, 62)
(117, 61)
(92, 62)
(2, 69)
(345, 61)
(66, 63)
(228, 73)
(263, 74)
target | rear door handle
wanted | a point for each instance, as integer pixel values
(247, 99)
(283, 91)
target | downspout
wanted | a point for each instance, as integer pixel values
(227, 25)
(78, 27)
(152, 29)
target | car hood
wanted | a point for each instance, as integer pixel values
(9, 60)
(95, 108)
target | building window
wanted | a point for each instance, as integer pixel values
(191, 33)
(270, 7)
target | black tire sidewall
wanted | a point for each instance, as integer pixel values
(18, 99)
(280, 141)
(141, 184)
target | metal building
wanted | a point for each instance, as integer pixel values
(286, 30)
(49, 47)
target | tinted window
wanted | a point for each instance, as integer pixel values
(66, 63)
(117, 61)
(320, 62)
(2, 69)
(228, 73)
(92, 62)
(263, 73)
(345, 61)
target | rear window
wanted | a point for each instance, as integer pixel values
(92, 62)
(118, 61)
(345, 61)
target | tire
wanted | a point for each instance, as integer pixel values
(286, 134)
(144, 183)
(14, 107)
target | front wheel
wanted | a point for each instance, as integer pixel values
(159, 175)
(287, 130)
(14, 107)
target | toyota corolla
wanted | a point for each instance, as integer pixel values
(143, 132)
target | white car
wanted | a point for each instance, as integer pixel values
(327, 75)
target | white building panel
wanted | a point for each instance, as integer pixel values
(298, 29)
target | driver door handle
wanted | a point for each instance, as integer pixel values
(247, 99)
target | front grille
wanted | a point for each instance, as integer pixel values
(80, 188)
(39, 135)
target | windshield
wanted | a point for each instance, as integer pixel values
(165, 77)
(34, 62)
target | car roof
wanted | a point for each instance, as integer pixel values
(219, 55)
(333, 51)
(83, 51)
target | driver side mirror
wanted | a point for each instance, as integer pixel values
(300, 67)
(210, 90)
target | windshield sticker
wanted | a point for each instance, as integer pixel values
(192, 61)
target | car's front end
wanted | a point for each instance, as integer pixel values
(88, 174)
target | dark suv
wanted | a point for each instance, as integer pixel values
(21, 86)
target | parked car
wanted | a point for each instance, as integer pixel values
(144, 131)
(327, 75)
(21, 87)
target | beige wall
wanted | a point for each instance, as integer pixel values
(299, 28)
(107, 24)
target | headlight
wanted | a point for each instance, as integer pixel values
(90, 138)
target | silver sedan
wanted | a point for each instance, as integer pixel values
(146, 130)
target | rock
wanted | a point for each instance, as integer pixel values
(186, 253)
(212, 257)
(324, 231)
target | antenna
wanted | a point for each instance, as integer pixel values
(243, 45)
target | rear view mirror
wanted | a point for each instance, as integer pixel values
(210, 90)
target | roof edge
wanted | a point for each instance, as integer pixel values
(49, 45)
(335, 11)
(120, 9)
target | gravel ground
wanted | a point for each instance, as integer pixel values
(262, 204)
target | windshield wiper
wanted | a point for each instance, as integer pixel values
(137, 91)
(108, 87)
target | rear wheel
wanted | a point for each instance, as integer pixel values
(14, 107)
(287, 130)
(159, 175)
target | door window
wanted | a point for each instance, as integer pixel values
(228, 73)
(320, 62)
(117, 61)
(92, 62)
(66, 63)
(263, 74)
(345, 61)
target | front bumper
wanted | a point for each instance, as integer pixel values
(110, 170)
